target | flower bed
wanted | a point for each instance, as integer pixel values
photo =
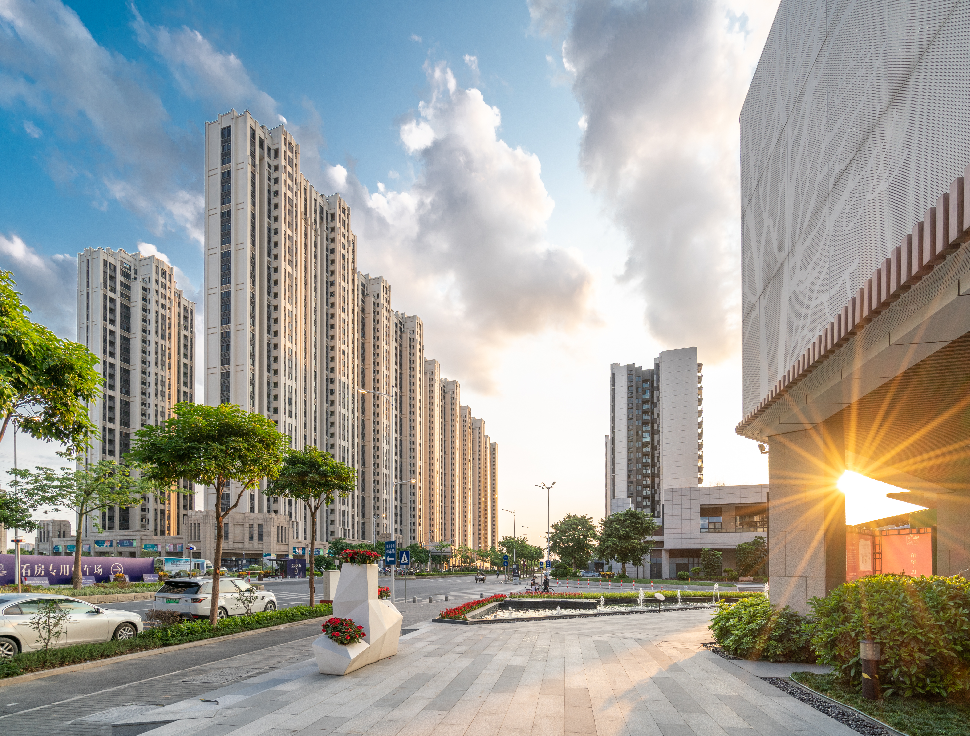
(383, 593)
(460, 612)
(359, 556)
(343, 630)
(631, 596)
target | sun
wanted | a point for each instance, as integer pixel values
(865, 499)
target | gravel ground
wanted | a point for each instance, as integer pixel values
(843, 715)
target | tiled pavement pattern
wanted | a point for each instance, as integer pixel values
(643, 674)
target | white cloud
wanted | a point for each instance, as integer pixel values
(465, 247)
(52, 66)
(472, 62)
(48, 284)
(202, 71)
(32, 130)
(183, 282)
(660, 86)
(416, 38)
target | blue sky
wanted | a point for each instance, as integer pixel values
(588, 151)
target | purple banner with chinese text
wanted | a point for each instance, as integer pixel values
(58, 570)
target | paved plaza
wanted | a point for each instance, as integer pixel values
(639, 674)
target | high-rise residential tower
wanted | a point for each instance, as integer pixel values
(656, 431)
(434, 505)
(281, 286)
(133, 317)
(411, 490)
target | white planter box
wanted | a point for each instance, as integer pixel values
(338, 659)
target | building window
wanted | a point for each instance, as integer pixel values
(259, 532)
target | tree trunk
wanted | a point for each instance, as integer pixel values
(214, 606)
(76, 574)
(312, 554)
(623, 569)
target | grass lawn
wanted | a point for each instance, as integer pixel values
(914, 716)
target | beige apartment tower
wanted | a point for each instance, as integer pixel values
(131, 315)
(281, 305)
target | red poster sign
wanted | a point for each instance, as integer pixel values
(910, 554)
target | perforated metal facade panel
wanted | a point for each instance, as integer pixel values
(854, 122)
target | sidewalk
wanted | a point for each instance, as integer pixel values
(644, 674)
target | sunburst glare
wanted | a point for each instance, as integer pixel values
(866, 500)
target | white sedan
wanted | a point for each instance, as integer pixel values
(84, 624)
(191, 597)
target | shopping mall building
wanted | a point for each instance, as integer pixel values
(855, 138)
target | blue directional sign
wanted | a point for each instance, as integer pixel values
(405, 558)
(505, 560)
(390, 552)
(548, 564)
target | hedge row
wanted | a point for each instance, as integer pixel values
(165, 636)
(631, 597)
(922, 625)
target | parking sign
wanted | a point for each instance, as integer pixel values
(390, 553)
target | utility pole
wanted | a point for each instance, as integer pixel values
(16, 531)
(548, 526)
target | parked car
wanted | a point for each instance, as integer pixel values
(589, 574)
(192, 598)
(85, 624)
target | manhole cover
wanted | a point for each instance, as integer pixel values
(218, 677)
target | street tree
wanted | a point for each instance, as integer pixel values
(316, 479)
(752, 557)
(220, 446)
(15, 512)
(626, 537)
(46, 383)
(419, 555)
(86, 490)
(574, 539)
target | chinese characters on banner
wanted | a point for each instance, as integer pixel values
(58, 570)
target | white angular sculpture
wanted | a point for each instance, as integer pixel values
(356, 599)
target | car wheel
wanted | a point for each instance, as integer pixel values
(223, 613)
(8, 647)
(270, 606)
(125, 631)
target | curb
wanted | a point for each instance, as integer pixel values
(146, 653)
(865, 716)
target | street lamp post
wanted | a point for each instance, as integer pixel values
(16, 531)
(548, 529)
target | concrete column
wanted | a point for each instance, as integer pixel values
(953, 534)
(665, 564)
(806, 514)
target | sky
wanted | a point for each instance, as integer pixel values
(551, 185)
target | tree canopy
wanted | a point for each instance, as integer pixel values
(626, 537)
(574, 539)
(15, 512)
(84, 491)
(46, 383)
(213, 446)
(316, 479)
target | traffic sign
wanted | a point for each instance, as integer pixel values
(390, 552)
(548, 564)
(405, 557)
(505, 560)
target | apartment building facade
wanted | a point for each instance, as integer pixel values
(295, 332)
(656, 431)
(53, 536)
(133, 317)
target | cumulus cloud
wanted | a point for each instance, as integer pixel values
(51, 65)
(465, 246)
(660, 86)
(183, 282)
(203, 72)
(48, 284)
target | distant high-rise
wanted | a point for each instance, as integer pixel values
(656, 431)
(133, 318)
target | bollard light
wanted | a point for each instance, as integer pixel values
(869, 655)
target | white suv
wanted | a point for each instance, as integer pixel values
(192, 597)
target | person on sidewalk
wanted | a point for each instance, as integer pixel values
(545, 584)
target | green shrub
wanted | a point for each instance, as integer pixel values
(711, 563)
(753, 629)
(683, 575)
(730, 574)
(696, 572)
(923, 625)
(561, 570)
